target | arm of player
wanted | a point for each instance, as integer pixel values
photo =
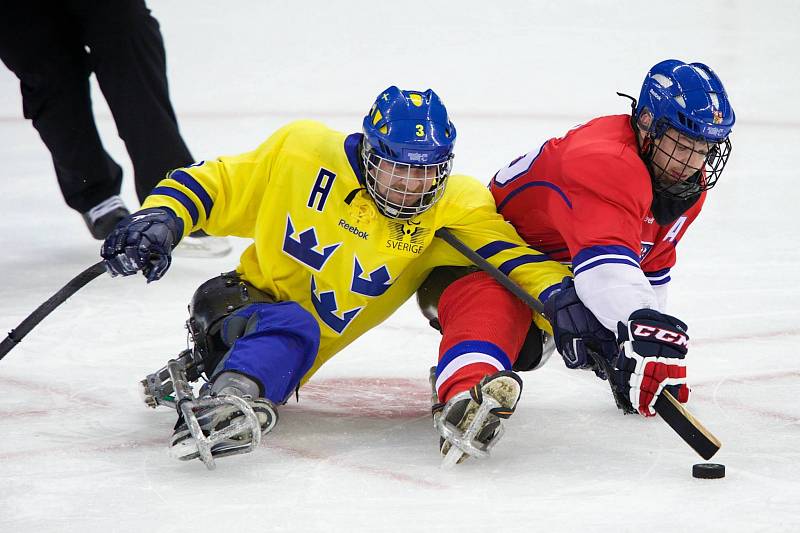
(653, 345)
(610, 283)
(644, 357)
(223, 196)
(659, 281)
(604, 236)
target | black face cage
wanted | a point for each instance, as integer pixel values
(701, 179)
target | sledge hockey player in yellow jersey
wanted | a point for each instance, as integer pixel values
(343, 233)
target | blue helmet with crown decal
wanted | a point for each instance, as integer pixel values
(407, 151)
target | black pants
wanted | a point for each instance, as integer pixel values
(53, 46)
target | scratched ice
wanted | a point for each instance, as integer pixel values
(80, 452)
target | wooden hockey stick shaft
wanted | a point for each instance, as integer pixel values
(31, 321)
(671, 411)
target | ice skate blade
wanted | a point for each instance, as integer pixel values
(465, 441)
(198, 445)
(188, 451)
(452, 458)
(501, 392)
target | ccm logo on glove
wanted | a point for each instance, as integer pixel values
(663, 335)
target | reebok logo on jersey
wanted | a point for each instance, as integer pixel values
(352, 229)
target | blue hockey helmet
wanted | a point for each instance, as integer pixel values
(690, 99)
(407, 151)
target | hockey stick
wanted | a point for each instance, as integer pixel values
(671, 411)
(81, 280)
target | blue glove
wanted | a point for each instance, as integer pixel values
(576, 331)
(143, 241)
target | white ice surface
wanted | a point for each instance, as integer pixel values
(79, 452)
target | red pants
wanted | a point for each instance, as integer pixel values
(483, 328)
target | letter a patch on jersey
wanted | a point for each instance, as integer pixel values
(672, 234)
(321, 189)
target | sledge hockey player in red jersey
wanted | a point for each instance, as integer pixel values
(613, 197)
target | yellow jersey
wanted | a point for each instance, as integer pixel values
(319, 240)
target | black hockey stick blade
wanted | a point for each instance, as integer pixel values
(81, 280)
(687, 426)
(671, 411)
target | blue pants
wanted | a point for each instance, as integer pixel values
(274, 343)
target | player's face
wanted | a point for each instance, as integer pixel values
(403, 185)
(677, 157)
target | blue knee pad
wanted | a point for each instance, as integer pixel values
(276, 343)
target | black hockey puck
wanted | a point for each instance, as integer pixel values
(708, 471)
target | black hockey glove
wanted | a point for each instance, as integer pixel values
(143, 241)
(576, 331)
(653, 350)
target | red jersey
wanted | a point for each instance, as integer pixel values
(585, 199)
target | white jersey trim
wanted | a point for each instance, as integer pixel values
(613, 291)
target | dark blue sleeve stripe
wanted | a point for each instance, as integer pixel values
(547, 184)
(593, 251)
(605, 261)
(662, 281)
(657, 273)
(548, 292)
(511, 264)
(182, 198)
(188, 181)
(493, 248)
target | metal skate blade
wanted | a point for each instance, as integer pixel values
(189, 450)
(214, 445)
(451, 458)
(464, 443)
